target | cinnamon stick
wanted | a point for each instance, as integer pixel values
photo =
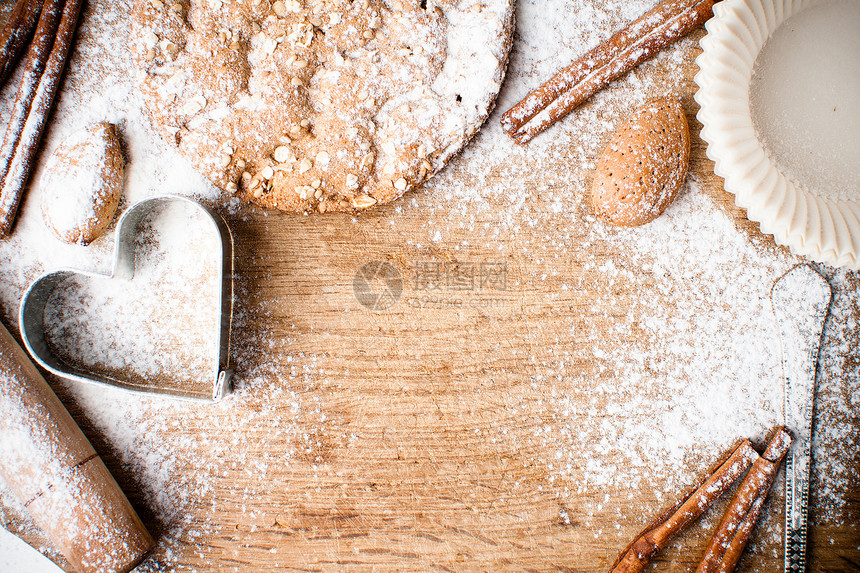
(666, 23)
(639, 553)
(732, 534)
(16, 33)
(44, 68)
(739, 542)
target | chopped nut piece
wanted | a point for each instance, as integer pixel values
(279, 8)
(226, 160)
(282, 154)
(351, 180)
(316, 183)
(157, 4)
(270, 45)
(333, 19)
(296, 82)
(194, 106)
(305, 165)
(150, 40)
(363, 202)
(305, 123)
(318, 193)
(400, 184)
(240, 163)
(246, 176)
(267, 172)
(367, 34)
(323, 158)
(232, 187)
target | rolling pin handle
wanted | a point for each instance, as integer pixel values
(54, 471)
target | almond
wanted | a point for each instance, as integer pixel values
(644, 165)
(82, 184)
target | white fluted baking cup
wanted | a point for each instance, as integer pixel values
(822, 229)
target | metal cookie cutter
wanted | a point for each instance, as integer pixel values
(32, 315)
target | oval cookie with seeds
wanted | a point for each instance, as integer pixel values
(320, 105)
(644, 165)
(82, 184)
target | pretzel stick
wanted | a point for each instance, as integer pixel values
(35, 97)
(16, 33)
(666, 23)
(638, 554)
(732, 534)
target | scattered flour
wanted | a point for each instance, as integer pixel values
(691, 290)
(706, 346)
(171, 305)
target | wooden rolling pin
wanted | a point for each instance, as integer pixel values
(54, 471)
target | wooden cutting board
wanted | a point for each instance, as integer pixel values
(417, 436)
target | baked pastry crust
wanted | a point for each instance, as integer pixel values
(320, 105)
(82, 184)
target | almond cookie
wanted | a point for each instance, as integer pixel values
(644, 165)
(82, 184)
(320, 105)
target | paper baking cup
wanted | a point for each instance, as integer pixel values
(824, 230)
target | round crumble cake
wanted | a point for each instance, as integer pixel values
(320, 105)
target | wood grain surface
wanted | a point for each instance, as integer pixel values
(422, 441)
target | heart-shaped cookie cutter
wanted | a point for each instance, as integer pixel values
(32, 313)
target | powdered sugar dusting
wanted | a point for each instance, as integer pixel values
(704, 366)
(171, 306)
(82, 184)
